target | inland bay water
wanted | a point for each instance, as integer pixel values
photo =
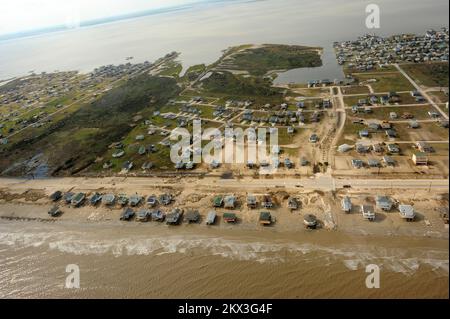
(145, 261)
(201, 32)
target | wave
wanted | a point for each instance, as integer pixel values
(353, 257)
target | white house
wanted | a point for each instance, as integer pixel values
(407, 212)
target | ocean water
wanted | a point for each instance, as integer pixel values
(202, 32)
(155, 261)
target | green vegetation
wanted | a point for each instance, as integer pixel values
(439, 96)
(239, 87)
(194, 72)
(73, 142)
(428, 74)
(172, 68)
(427, 132)
(259, 61)
(376, 69)
(387, 82)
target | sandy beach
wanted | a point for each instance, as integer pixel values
(29, 199)
(152, 260)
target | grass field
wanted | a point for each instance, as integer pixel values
(426, 132)
(376, 69)
(259, 61)
(428, 74)
(387, 82)
(439, 96)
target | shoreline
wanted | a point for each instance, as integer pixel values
(137, 261)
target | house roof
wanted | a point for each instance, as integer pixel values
(383, 200)
(388, 159)
(211, 216)
(406, 211)
(265, 216)
(229, 216)
(192, 215)
(251, 199)
(346, 203)
(367, 209)
(420, 154)
(230, 200)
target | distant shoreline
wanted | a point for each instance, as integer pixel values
(92, 23)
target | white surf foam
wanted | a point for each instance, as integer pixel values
(353, 257)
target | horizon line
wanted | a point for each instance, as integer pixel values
(111, 19)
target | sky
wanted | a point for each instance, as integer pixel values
(25, 15)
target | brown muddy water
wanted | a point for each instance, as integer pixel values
(155, 261)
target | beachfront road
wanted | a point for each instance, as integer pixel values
(143, 184)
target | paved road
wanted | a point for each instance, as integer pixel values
(142, 185)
